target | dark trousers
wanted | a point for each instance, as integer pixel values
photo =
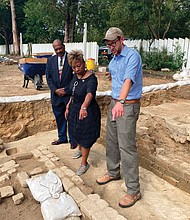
(59, 113)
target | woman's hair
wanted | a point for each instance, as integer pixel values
(75, 55)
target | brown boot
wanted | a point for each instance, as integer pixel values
(129, 200)
(106, 179)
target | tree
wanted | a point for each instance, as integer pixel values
(130, 17)
(41, 22)
(96, 13)
(14, 28)
(69, 9)
(47, 20)
(6, 34)
(181, 21)
(5, 28)
(150, 18)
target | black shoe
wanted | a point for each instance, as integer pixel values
(58, 142)
(73, 145)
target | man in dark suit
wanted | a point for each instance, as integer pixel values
(58, 75)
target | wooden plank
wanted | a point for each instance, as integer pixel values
(33, 60)
(43, 53)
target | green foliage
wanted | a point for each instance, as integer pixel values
(181, 21)
(42, 22)
(142, 19)
(96, 14)
(47, 20)
(130, 16)
(5, 19)
(157, 59)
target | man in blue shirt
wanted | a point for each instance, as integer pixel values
(126, 72)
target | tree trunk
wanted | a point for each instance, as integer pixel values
(67, 25)
(70, 19)
(14, 29)
(167, 29)
(69, 28)
(7, 44)
(6, 38)
(152, 31)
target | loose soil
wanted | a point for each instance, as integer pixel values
(12, 79)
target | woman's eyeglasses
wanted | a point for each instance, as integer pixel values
(113, 44)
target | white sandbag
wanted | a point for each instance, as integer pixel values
(184, 75)
(45, 186)
(60, 208)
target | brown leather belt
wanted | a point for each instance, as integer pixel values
(132, 101)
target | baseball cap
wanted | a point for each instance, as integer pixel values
(112, 33)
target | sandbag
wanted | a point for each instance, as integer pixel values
(45, 186)
(60, 208)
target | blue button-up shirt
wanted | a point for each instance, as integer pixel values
(127, 65)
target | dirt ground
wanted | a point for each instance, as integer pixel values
(11, 79)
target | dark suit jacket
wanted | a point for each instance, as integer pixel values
(53, 80)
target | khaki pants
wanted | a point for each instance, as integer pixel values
(121, 146)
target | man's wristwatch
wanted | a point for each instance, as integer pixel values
(122, 101)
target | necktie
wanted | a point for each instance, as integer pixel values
(60, 67)
(61, 61)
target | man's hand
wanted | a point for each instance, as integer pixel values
(60, 92)
(117, 111)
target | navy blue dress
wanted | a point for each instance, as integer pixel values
(85, 132)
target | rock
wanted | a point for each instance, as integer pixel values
(22, 156)
(1, 145)
(102, 69)
(6, 191)
(37, 170)
(165, 70)
(22, 177)
(18, 198)
(1, 141)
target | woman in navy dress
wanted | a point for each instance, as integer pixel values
(82, 111)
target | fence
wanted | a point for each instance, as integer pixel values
(92, 47)
(169, 44)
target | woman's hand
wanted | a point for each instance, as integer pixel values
(83, 113)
